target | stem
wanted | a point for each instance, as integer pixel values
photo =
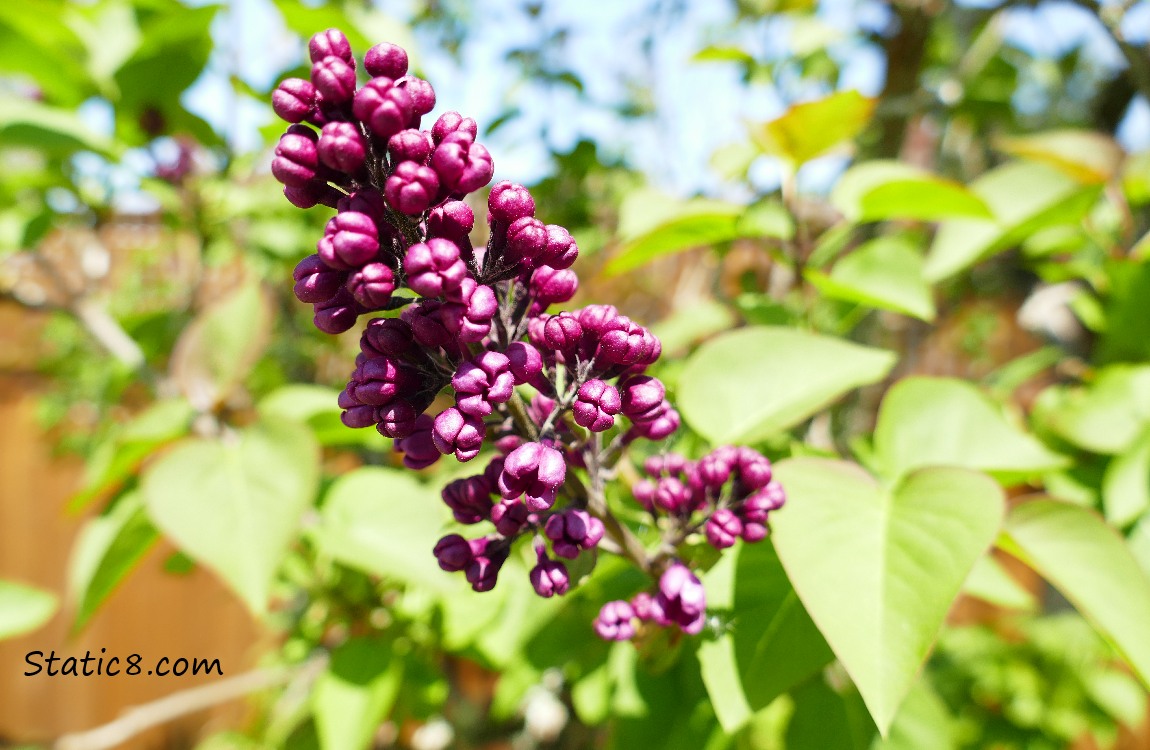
(628, 543)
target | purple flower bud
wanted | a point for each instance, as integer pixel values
(462, 166)
(469, 499)
(312, 194)
(573, 531)
(492, 471)
(412, 188)
(640, 394)
(411, 145)
(397, 419)
(596, 405)
(526, 239)
(672, 495)
(761, 502)
(715, 469)
(597, 318)
(350, 240)
(470, 310)
(418, 447)
(453, 221)
(453, 122)
(426, 326)
(314, 281)
(643, 606)
(723, 528)
(387, 60)
(550, 285)
(659, 428)
(549, 577)
(367, 201)
(627, 343)
(614, 621)
(482, 381)
(681, 600)
(754, 469)
(420, 92)
(330, 43)
(296, 158)
(355, 414)
(294, 99)
(483, 571)
(453, 553)
(562, 332)
(540, 408)
(458, 433)
(372, 285)
(535, 471)
(341, 146)
(644, 492)
(334, 79)
(509, 517)
(508, 202)
(381, 380)
(434, 268)
(668, 464)
(560, 250)
(337, 314)
(383, 106)
(389, 337)
(526, 362)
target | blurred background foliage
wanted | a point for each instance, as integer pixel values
(811, 201)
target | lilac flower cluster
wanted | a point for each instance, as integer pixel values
(547, 391)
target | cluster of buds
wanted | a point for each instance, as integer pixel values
(547, 391)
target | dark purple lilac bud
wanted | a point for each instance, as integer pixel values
(573, 531)
(614, 621)
(458, 433)
(418, 447)
(421, 94)
(526, 362)
(482, 381)
(550, 285)
(549, 577)
(640, 394)
(367, 201)
(294, 99)
(426, 326)
(334, 79)
(540, 408)
(453, 220)
(337, 314)
(715, 469)
(412, 188)
(296, 158)
(469, 499)
(560, 250)
(330, 43)
(596, 405)
(672, 495)
(483, 570)
(526, 239)
(492, 471)
(754, 469)
(509, 517)
(644, 493)
(759, 504)
(509, 201)
(597, 318)
(660, 427)
(535, 471)
(312, 194)
(387, 60)
(383, 106)
(434, 268)
(562, 332)
(506, 444)
(372, 285)
(627, 343)
(470, 310)
(668, 464)
(411, 145)
(390, 337)
(341, 146)
(723, 528)
(350, 240)
(681, 600)
(381, 380)
(462, 166)
(453, 122)
(314, 281)
(355, 414)
(397, 419)
(453, 553)
(643, 604)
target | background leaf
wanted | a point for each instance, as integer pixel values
(355, 692)
(23, 608)
(885, 273)
(881, 190)
(810, 129)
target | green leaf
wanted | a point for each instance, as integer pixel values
(878, 568)
(218, 349)
(1126, 484)
(922, 722)
(1087, 156)
(824, 718)
(724, 53)
(1090, 564)
(885, 273)
(949, 422)
(881, 190)
(751, 383)
(106, 550)
(990, 582)
(385, 522)
(51, 129)
(355, 693)
(1025, 197)
(234, 504)
(689, 325)
(810, 129)
(1105, 418)
(23, 608)
(684, 232)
